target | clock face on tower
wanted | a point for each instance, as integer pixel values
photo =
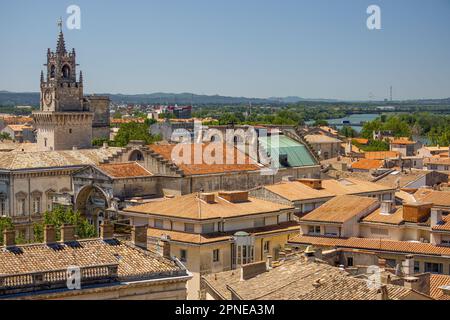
(48, 98)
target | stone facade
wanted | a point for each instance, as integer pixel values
(66, 118)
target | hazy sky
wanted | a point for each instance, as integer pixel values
(253, 48)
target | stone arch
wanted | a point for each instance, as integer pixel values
(84, 194)
(65, 71)
(136, 155)
(52, 71)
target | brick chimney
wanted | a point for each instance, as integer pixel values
(49, 234)
(106, 230)
(9, 238)
(67, 233)
(139, 236)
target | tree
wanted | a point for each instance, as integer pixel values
(320, 123)
(5, 224)
(348, 132)
(134, 131)
(117, 115)
(59, 216)
(5, 136)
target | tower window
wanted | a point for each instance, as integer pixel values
(66, 72)
(70, 130)
(52, 72)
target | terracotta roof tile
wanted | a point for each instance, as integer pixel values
(374, 244)
(196, 238)
(437, 281)
(297, 191)
(395, 217)
(438, 198)
(133, 262)
(341, 209)
(381, 155)
(296, 279)
(191, 207)
(124, 170)
(402, 141)
(192, 168)
(367, 164)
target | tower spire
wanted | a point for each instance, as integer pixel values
(61, 45)
(42, 76)
(81, 77)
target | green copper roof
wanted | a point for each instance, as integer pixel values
(297, 154)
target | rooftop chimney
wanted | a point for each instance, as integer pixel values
(208, 197)
(234, 196)
(387, 207)
(165, 239)
(412, 283)
(309, 254)
(251, 270)
(312, 183)
(49, 234)
(9, 238)
(382, 263)
(383, 293)
(106, 230)
(139, 236)
(408, 265)
(67, 233)
(436, 217)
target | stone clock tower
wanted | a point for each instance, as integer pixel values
(64, 120)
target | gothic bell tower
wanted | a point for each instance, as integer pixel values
(64, 120)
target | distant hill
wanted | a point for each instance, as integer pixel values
(32, 98)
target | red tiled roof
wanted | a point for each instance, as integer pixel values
(380, 155)
(437, 281)
(374, 244)
(124, 170)
(367, 164)
(206, 149)
(402, 141)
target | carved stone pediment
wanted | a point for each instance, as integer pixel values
(91, 173)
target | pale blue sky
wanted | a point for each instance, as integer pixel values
(253, 48)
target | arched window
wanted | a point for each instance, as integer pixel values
(52, 72)
(136, 155)
(66, 71)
